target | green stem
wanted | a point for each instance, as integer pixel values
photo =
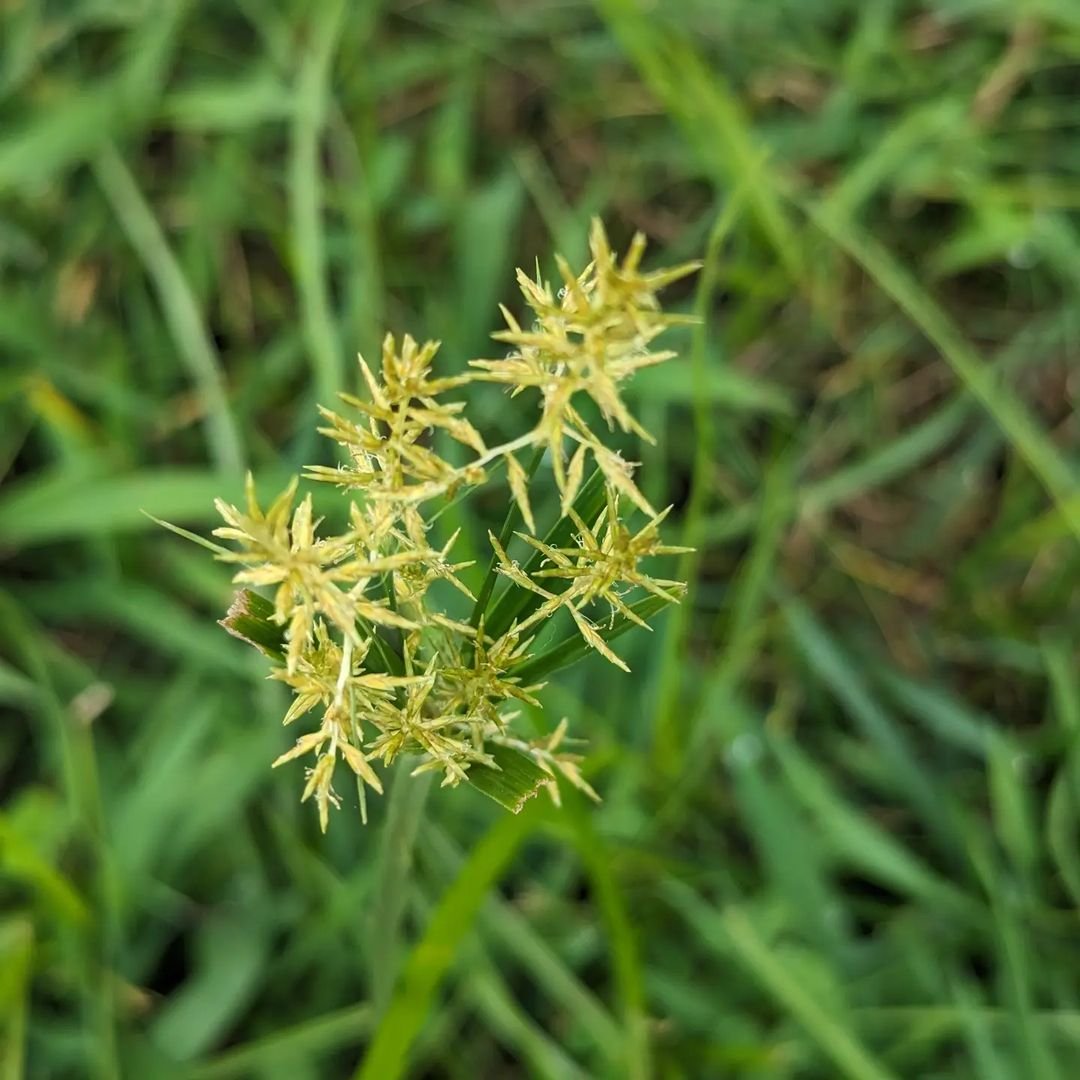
(512, 516)
(404, 813)
(430, 959)
(613, 907)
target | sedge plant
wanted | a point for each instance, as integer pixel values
(376, 666)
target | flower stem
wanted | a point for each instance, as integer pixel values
(512, 515)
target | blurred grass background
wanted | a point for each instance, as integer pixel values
(839, 834)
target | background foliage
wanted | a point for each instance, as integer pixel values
(841, 787)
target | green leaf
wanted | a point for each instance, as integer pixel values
(519, 942)
(732, 931)
(388, 658)
(228, 105)
(307, 227)
(516, 603)
(517, 779)
(513, 515)
(15, 687)
(675, 383)
(1010, 808)
(623, 936)
(67, 503)
(249, 619)
(179, 304)
(858, 839)
(308, 1039)
(572, 649)
(1009, 411)
(840, 672)
(231, 953)
(69, 128)
(394, 877)
(16, 954)
(187, 534)
(1062, 832)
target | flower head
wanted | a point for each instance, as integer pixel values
(377, 669)
(604, 564)
(477, 691)
(389, 458)
(585, 342)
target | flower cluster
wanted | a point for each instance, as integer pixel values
(353, 625)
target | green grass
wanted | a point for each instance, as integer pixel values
(840, 833)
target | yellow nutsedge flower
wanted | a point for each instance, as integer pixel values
(477, 692)
(307, 571)
(436, 734)
(553, 602)
(603, 560)
(519, 488)
(441, 688)
(406, 372)
(327, 674)
(604, 565)
(618, 473)
(319, 783)
(389, 459)
(589, 338)
(334, 677)
(412, 581)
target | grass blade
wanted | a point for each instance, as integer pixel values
(67, 504)
(1010, 413)
(405, 811)
(731, 930)
(431, 957)
(178, 304)
(572, 649)
(838, 672)
(516, 780)
(321, 1035)
(512, 932)
(16, 954)
(621, 935)
(856, 836)
(305, 197)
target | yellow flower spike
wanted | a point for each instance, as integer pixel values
(356, 761)
(519, 486)
(319, 784)
(304, 745)
(572, 484)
